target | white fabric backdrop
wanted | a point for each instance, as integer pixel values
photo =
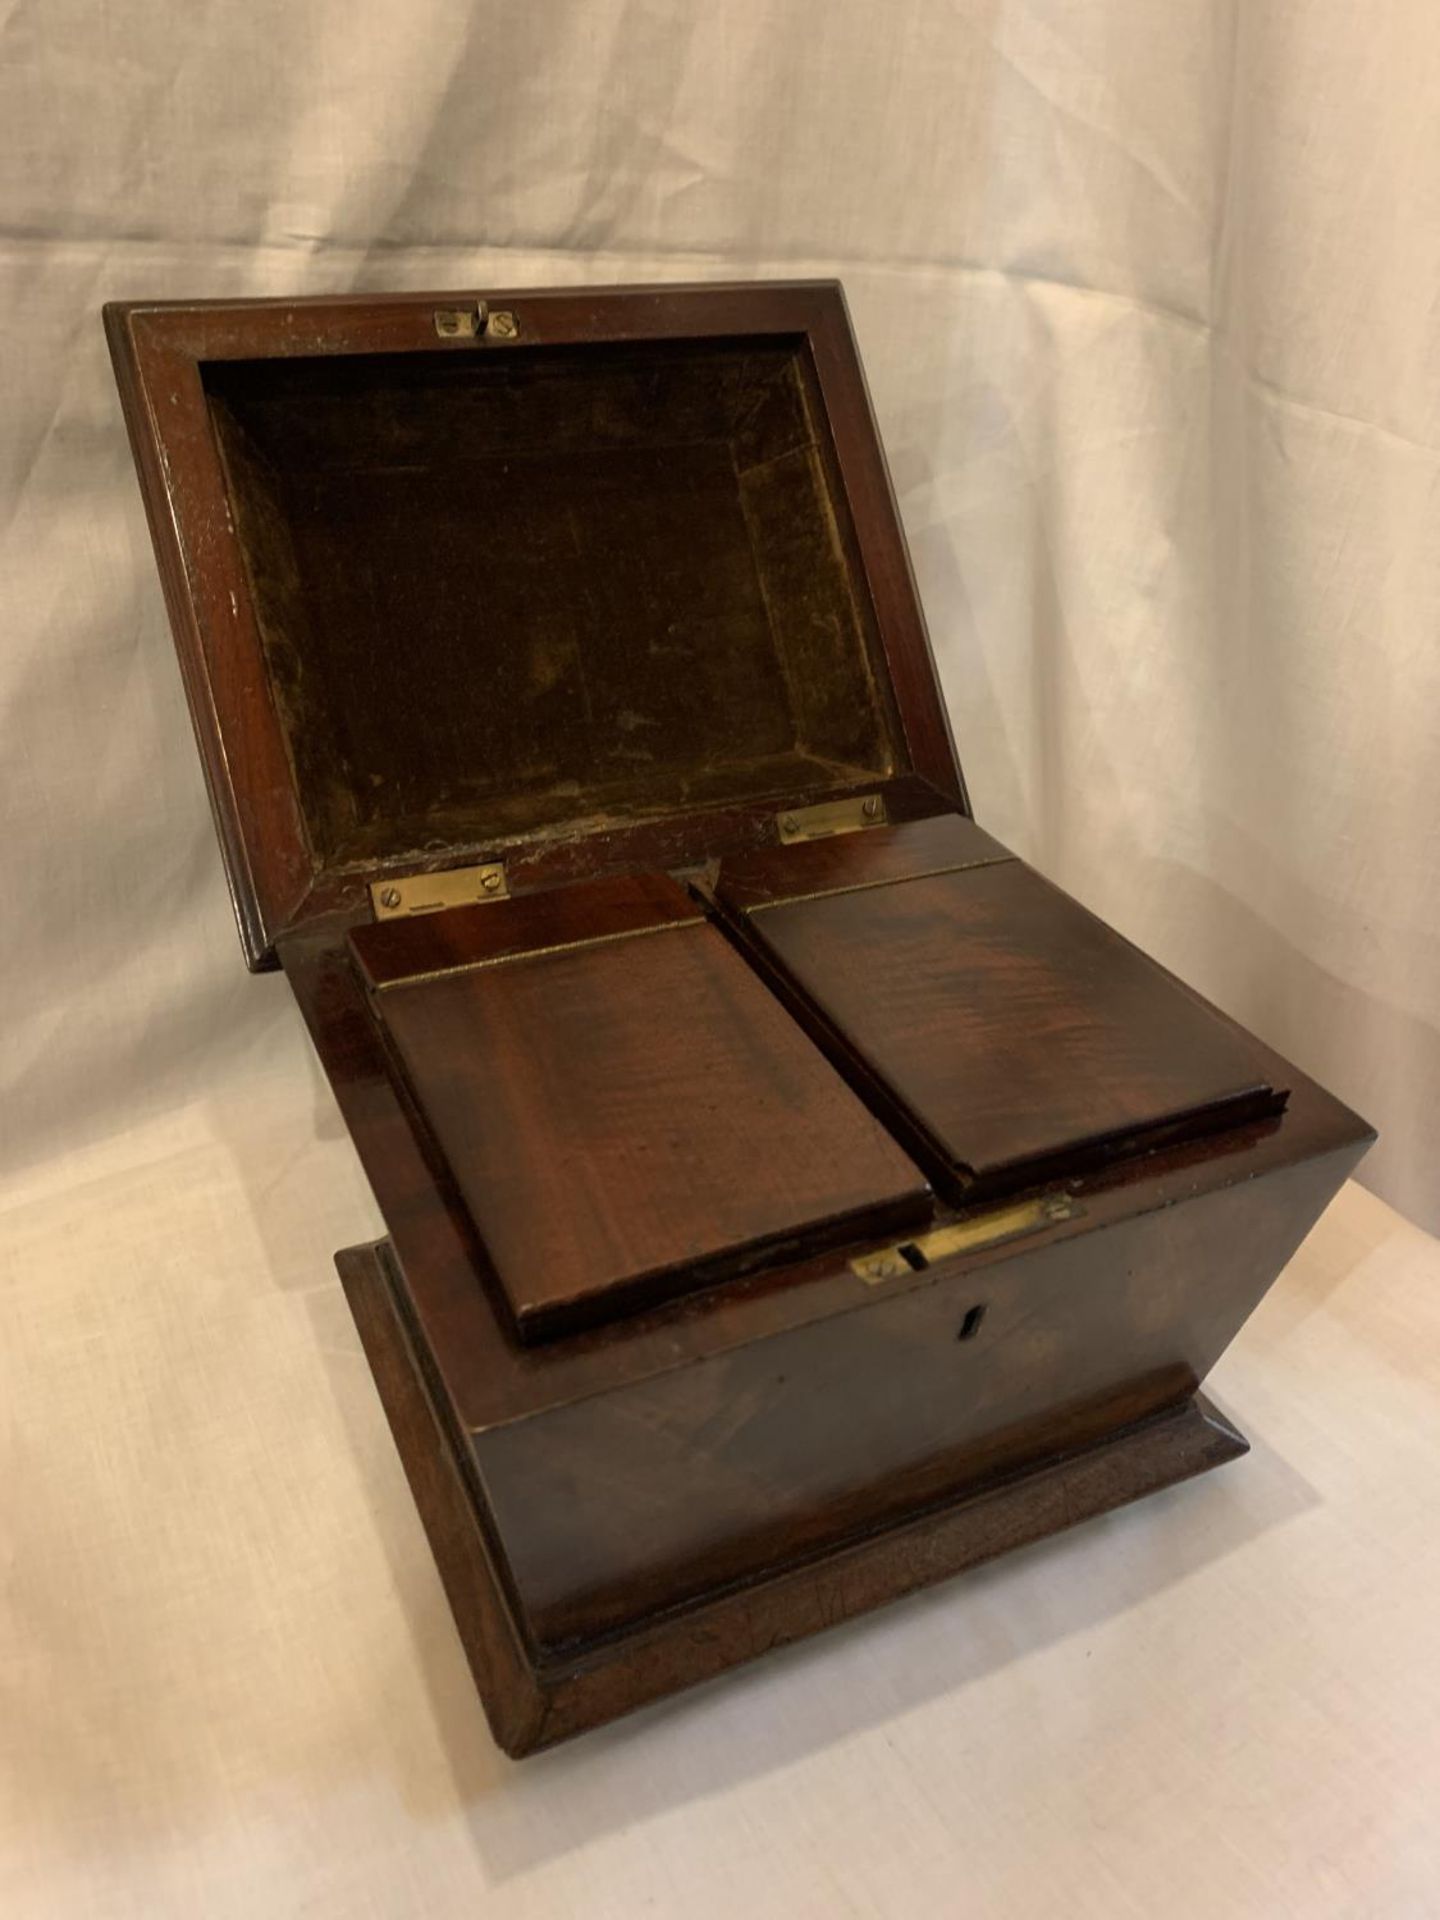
(1148, 296)
(1148, 299)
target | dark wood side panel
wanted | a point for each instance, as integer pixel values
(514, 1701)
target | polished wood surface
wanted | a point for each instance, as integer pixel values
(653, 1495)
(626, 1111)
(1012, 1031)
(1285, 1167)
(697, 1445)
(533, 1700)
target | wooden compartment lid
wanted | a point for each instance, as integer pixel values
(1009, 1035)
(453, 576)
(626, 1111)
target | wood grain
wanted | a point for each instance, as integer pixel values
(795, 1435)
(533, 1701)
(489, 1379)
(1001, 1024)
(628, 1114)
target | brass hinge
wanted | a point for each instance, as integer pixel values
(830, 817)
(963, 1236)
(433, 892)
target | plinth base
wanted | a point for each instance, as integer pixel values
(533, 1699)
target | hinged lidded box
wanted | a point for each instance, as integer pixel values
(791, 1198)
(578, 586)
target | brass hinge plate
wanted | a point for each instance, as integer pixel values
(830, 817)
(434, 892)
(963, 1236)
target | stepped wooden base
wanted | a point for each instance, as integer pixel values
(534, 1700)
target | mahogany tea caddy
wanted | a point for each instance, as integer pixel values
(791, 1198)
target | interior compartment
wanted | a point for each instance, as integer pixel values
(504, 591)
(625, 1110)
(1008, 1035)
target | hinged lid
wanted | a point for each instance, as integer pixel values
(577, 577)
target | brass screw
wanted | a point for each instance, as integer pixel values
(788, 823)
(490, 883)
(502, 325)
(390, 897)
(871, 807)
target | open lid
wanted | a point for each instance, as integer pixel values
(569, 579)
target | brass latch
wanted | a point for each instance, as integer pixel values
(830, 817)
(963, 1236)
(433, 892)
(468, 323)
(460, 323)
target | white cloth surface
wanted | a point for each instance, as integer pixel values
(1147, 296)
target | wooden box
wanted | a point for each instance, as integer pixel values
(791, 1198)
